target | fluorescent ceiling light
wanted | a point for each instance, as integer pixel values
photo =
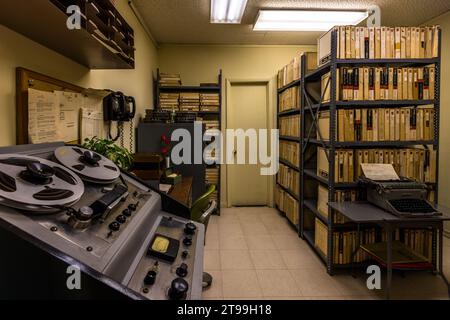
(306, 20)
(227, 11)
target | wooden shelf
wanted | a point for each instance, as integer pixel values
(89, 46)
(189, 89)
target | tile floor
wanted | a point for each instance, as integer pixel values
(254, 253)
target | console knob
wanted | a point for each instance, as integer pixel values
(187, 241)
(132, 206)
(182, 270)
(178, 289)
(121, 219)
(150, 278)
(190, 228)
(184, 254)
(126, 212)
(114, 226)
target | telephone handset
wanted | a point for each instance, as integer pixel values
(130, 107)
(118, 107)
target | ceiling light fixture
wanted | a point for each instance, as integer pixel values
(227, 11)
(306, 20)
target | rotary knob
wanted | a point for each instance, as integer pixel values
(150, 278)
(187, 241)
(121, 219)
(133, 206)
(182, 270)
(114, 226)
(178, 289)
(126, 212)
(190, 228)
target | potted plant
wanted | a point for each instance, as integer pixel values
(120, 156)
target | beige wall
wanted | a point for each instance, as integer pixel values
(201, 63)
(19, 51)
(444, 169)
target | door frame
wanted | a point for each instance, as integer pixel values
(269, 83)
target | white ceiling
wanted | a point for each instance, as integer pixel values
(187, 21)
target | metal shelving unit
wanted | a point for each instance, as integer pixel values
(212, 115)
(309, 141)
(297, 111)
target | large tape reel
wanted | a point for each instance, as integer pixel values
(35, 184)
(90, 166)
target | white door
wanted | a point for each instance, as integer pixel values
(247, 108)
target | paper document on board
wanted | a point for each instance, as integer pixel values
(379, 171)
(69, 107)
(91, 124)
(43, 116)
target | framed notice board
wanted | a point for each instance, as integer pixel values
(48, 109)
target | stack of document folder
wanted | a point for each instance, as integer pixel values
(209, 102)
(189, 101)
(169, 80)
(169, 101)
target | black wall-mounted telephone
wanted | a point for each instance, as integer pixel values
(118, 107)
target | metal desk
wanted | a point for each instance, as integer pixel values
(366, 213)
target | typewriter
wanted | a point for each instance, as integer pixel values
(403, 197)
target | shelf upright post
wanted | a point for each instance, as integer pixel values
(301, 146)
(278, 127)
(157, 100)
(219, 181)
(437, 113)
(332, 150)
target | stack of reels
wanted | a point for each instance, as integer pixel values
(209, 102)
(189, 101)
(156, 116)
(169, 80)
(169, 101)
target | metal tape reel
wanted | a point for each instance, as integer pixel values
(89, 165)
(35, 184)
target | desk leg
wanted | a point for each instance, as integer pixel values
(389, 262)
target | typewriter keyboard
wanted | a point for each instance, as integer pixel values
(412, 206)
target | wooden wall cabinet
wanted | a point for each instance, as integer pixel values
(104, 41)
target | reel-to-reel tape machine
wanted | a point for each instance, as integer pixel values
(66, 206)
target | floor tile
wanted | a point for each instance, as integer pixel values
(267, 259)
(240, 283)
(350, 286)
(236, 260)
(211, 260)
(314, 283)
(287, 298)
(289, 241)
(212, 243)
(255, 228)
(277, 283)
(230, 229)
(230, 242)
(328, 298)
(259, 242)
(301, 258)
